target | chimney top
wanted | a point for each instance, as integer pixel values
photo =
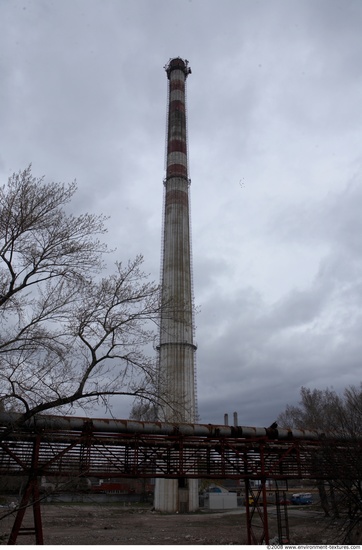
(178, 63)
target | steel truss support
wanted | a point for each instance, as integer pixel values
(256, 513)
(66, 447)
(31, 495)
(256, 518)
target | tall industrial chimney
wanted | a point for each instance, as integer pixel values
(177, 392)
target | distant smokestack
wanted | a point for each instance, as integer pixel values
(226, 419)
(236, 419)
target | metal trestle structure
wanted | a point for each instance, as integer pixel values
(68, 447)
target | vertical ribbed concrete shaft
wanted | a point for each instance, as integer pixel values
(177, 401)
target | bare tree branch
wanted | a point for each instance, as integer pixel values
(68, 334)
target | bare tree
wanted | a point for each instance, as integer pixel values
(68, 334)
(325, 410)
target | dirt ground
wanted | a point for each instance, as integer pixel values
(100, 524)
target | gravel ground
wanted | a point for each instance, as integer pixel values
(90, 524)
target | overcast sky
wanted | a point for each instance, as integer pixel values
(275, 135)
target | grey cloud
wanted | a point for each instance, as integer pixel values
(274, 103)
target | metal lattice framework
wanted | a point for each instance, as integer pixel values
(72, 447)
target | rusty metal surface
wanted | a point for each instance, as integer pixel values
(63, 448)
(124, 448)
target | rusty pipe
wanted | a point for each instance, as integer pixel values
(74, 423)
